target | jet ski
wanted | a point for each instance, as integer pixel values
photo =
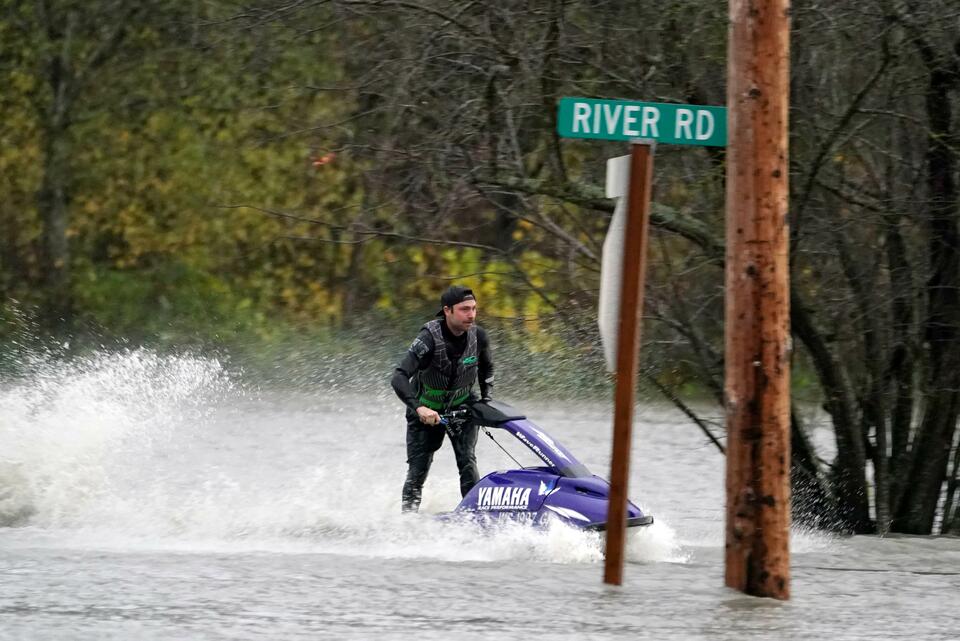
(561, 489)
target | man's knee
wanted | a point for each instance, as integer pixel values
(417, 471)
(465, 444)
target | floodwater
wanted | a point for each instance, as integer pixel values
(146, 497)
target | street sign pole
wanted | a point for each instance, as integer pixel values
(628, 344)
(643, 124)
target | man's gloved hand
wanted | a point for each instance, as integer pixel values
(428, 416)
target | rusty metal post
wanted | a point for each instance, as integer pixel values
(628, 348)
(757, 384)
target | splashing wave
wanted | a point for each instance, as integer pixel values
(138, 450)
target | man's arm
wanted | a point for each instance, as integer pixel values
(485, 365)
(415, 359)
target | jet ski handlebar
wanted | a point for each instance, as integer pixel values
(454, 420)
(486, 412)
(455, 417)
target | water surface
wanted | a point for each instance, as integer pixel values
(149, 497)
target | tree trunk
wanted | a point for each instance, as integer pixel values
(53, 197)
(902, 359)
(930, 454)
(848, 477)
(53, 205)
(918, 507)
(874, 411)
(951, 508)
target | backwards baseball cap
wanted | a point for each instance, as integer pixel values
(453, 295)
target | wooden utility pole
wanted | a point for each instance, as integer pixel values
(757, 382)
(628, 347)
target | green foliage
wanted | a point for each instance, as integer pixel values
(168, 157)
(169, 304)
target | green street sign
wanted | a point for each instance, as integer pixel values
(628, 120)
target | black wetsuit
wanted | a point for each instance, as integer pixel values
(423, 440)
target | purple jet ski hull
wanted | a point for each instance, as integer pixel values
(562, 489)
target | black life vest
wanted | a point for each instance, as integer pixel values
(444, 384)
